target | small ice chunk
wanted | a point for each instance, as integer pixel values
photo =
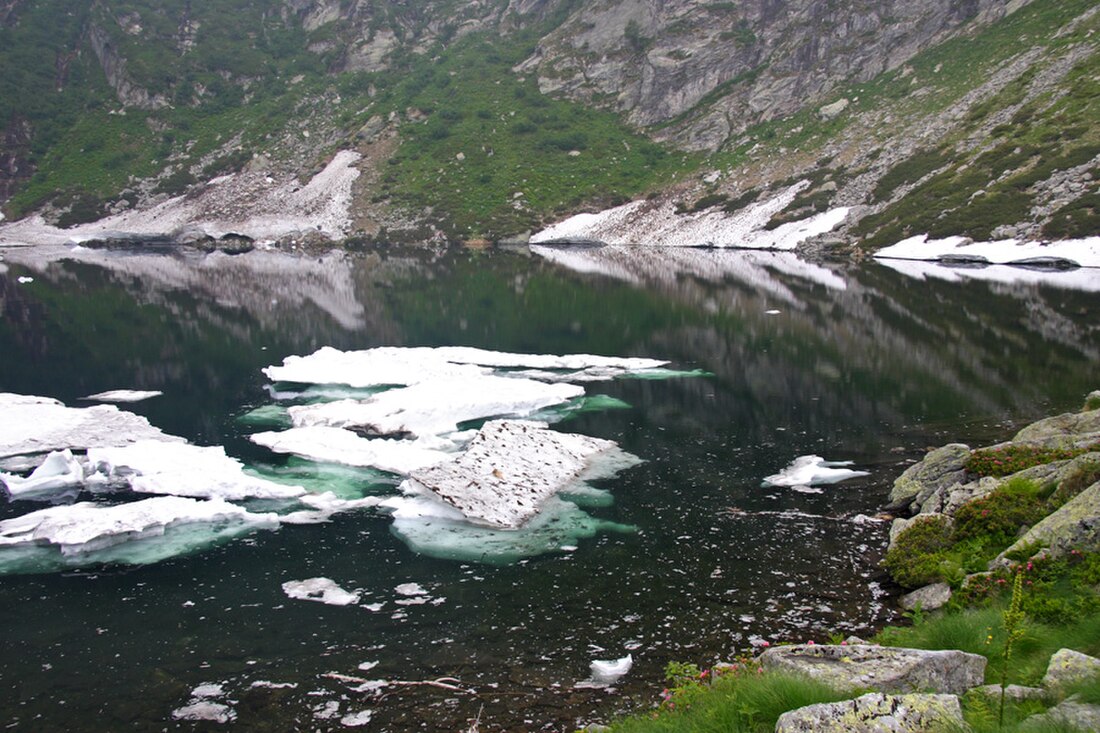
(608, 672)
(59, 472)
(328, 711)
(266, 684)
(322, 590)
(23, 280)
(772, 312)
(123, 395)
(410, 589)
(182, 469)
(204, 710)
(354, 720)
(812, 470)
(367, 666)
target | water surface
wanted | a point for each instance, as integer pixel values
(852, 363)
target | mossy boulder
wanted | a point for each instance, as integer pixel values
(1071, 430)
(1068, 667)
(876, 713)
(1075, 526)
(886, 669)
(940, 469)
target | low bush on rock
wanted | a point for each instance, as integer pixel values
(1014, 458)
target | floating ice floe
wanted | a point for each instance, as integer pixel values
(337, 445)
(437, 407)
(33, 425)
(1074, 253)
(511, 467)
(182, 469)
(61, 471)
(322, 590)
(355, 720)
(607, 672)
(136, 533)
(394, 366)
(812, 470)
(658, 223)
(123, 395)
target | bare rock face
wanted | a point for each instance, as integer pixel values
(876, 713)
(129, 93)
(1063, 431)
(887, 669)
(762, 59)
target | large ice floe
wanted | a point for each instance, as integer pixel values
(485, 477)
(459, 463)
(659, 223)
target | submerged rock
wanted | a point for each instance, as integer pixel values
(939, 469)
(887, 669)
(875, 713)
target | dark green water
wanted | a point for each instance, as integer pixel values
(861, 364)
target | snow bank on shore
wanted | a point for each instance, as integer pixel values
(657, 223)
(253, 204)
(1081, 252)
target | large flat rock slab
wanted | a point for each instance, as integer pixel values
(876, 713)
(511, 467)
(887, 669)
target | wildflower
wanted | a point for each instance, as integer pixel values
(810, 642)
(765, 643)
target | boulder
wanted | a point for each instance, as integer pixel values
(1069, 714)
(875, 713)
(834, 110)
(1067, 667)
(886, 669)
(941, 468)
(1070, 430)
(1075, 526)
(928, 598)
(1017, 693)
(947, 499)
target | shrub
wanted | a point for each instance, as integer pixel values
(1014, 458)
(920, 550)
(997, 517)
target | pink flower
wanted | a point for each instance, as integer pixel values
(765, 643)
(810, 642)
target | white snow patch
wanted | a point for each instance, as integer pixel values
(123, 395)
(243, 203)
(31, 424)
(658, 224)
(59, 472)
(182, 469)
(1084, 252)
(322, 590)
(87, 527)
(510, 468)
(337, 445)
(812, 470)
